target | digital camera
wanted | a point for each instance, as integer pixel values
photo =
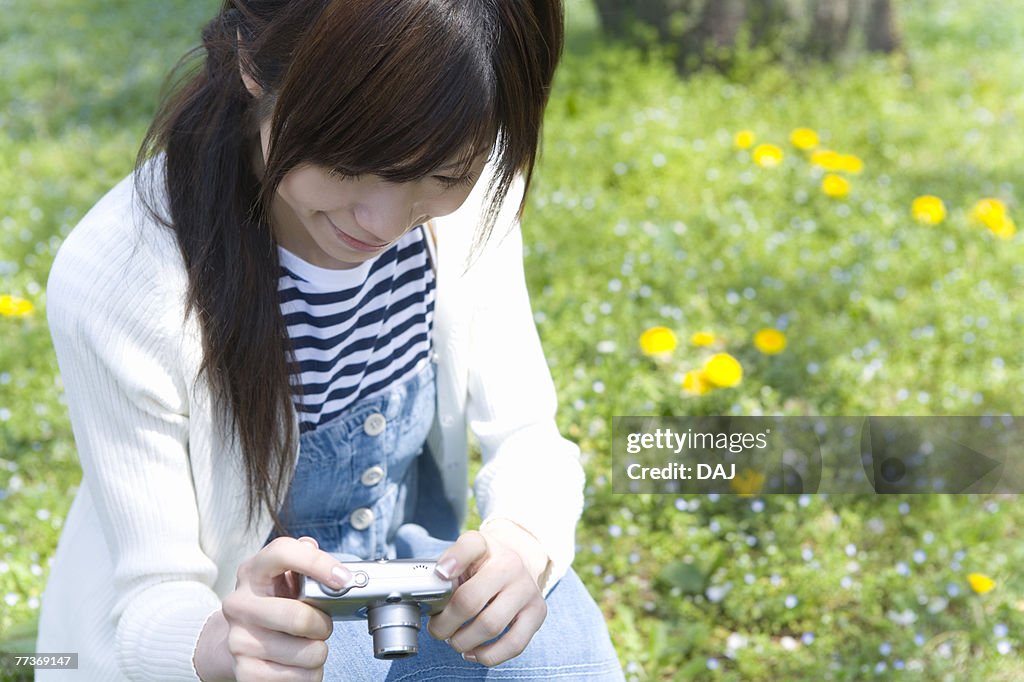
(392, 595)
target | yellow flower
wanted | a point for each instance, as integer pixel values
(770, 341)
(850, 163)
(747, 482)
(827, 159)
(703, 338)
(992, 214)
(744, 139)
(1005, 229)
(15, 306)
(767, 155)
(804, 138)
(835, 185)
(658, 341)
(980, 582)
(695, 382)
(723, 370)
(928, 209)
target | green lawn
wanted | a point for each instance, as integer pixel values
(645, 213)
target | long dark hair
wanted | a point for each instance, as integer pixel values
(386, 87)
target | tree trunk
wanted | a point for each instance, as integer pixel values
(880, 27)
(710, 31)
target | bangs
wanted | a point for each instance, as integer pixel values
(395, 89)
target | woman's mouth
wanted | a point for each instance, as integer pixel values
(353, 243)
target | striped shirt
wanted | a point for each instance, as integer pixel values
(356, 331)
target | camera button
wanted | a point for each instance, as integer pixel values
(361, 518)
(360, 579)
(374, 424)
(372, 476)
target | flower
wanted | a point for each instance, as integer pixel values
(804, 138)
(827, 159)
(703, 338)
(770, 341)
(747, 482)
(835, 185)
(928, 209)
(980, 582)
(744, 139)
(15, 306)
(658, 341)
(850, 163)
(992, 214)
(723, 370)
(767, 155)
(695, 382)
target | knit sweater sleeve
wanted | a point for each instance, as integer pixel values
(116, 325)
(530, 474)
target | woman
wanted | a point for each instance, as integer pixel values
(272, 357)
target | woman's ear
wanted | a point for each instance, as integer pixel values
(251, 85)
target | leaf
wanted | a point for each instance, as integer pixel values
(686, 576)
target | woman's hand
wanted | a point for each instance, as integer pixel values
(496, 573)
(266, 632)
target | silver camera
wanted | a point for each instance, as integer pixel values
(392, 595)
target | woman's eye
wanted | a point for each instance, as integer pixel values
(449, 181)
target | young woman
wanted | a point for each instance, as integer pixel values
(275, 334)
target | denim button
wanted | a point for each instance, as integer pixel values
(372, 476)
(374, 424)
(361, 518)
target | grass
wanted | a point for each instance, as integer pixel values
(645, 213)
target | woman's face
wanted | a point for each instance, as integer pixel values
(339, 222)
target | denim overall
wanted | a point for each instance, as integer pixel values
(365, 487)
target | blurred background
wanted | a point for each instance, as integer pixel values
(799, 207)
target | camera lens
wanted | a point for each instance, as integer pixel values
(395, 628)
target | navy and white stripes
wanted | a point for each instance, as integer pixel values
(356, 331)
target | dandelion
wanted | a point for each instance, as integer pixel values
(658, 341)
(695, 382)
(992, 214)
(703, 338)
(770, 341)
(928, 210)
(827, 159)
(767, 155)
(15, 306)
(744, 139)
(723, 370)
(804, 138)
(980, 582)
(835, 186)
(850, 163)
(747, 482)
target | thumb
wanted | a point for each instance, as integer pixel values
(462, 554)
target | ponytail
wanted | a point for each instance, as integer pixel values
(230, 258)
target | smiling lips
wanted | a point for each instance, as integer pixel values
(354, 243)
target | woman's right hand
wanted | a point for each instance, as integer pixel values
(262, 631)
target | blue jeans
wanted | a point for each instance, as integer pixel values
(365, 488)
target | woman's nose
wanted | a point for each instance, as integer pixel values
(384, 210)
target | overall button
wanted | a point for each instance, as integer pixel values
(361, 518)
(372, 476)
(374, 424)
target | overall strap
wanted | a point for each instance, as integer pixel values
(431, 239)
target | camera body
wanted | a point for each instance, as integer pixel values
(392, 595)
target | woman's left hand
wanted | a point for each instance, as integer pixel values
(496, 573)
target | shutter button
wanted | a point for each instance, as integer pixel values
(361, 518)
(372, 476)
(374, 424)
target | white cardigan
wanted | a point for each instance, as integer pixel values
(155, 534)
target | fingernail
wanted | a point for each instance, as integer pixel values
(469, 657)
(342, 576)
(445, 567)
